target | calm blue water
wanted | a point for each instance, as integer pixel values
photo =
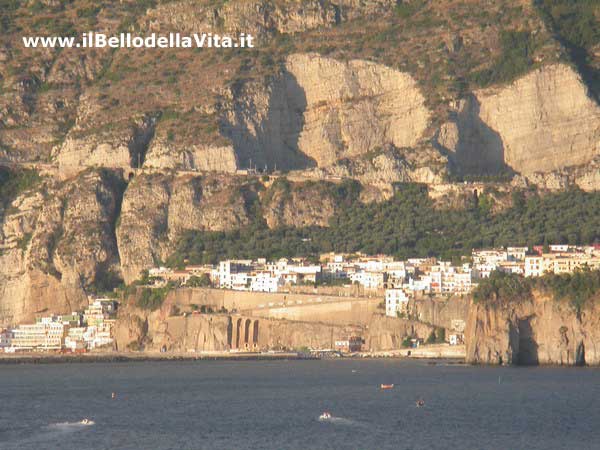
(275, 405)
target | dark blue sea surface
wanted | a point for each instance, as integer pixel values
(276, 405)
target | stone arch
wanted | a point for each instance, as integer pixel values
(247, 332)
(229, 332)
(255, 333)
(238, 332)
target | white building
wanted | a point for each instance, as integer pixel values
(5, 339)
(556, 263)
(265, 282)
(99, 335)
(43, 335)
(396, 301)
(98, 310)
(369, 280)
(75, 339)
(234, 273)
(516, 253)
(447, 279)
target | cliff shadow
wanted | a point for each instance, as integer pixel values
(527, 353)
(140, 141)
(266, 137)
(580, 355)
(479, 150)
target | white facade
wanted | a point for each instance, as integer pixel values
(265, 282)
(43, 335)
(369, 280)
(516, 253)
(5, 339)
(75, 339)
(556, 263)
(396, 301)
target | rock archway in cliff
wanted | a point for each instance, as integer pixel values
(580, 355)
(527, 352)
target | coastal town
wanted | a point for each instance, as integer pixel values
(395, 282)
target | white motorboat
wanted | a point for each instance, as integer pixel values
(325, 416)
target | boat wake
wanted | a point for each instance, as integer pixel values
(71, 426)
(341, 421)
(46, 434)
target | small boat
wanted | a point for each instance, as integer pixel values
(113, 395)
(387, 386)
(325, 416)
(86, 422)
(419, 403)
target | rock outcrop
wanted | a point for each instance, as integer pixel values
(298, 205)
(58, 241)
(540, 331)
(387, 333)
(191, 157)
(158, 208)
(321, 110)
(173, 327)
(259, 17)
(544, 121)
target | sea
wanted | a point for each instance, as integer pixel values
(276, 405)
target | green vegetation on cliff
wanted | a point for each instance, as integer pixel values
(407, 225)
(13, 182)
(515, 59)
(578, 288)
(152, 298)
(576, 25)
(503, 288)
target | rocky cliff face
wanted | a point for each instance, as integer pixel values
(158, 208)
(324, 93)
(541, 331)
(160, 329)
(543, 122)
(321, 110)
(298, 205)
(167, 327)
(57, 241)
(259, 17)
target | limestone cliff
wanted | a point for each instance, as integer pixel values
(377, 91)
(157, 208)
(298, 205)
(320, 110)
(57, 241)
(259, 17)
(141, 329)
(543, 122)
(383, 167)
(175, 327)
(540, 331)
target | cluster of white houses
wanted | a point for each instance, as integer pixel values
(75, 332)
(400, 280)
(539, 261)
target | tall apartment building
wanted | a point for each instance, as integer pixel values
(43, 335)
